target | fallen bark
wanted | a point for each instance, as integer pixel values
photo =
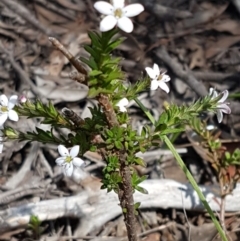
(97, 207)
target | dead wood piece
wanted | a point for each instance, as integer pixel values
(16, 7)
(14, 181)
(75, 62)
(24, 190)
(91, 206)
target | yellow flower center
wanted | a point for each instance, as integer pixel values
(3, 109)
(160, 77)
(118, 13)
(68, 159)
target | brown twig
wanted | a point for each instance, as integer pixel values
(75, 62)
(125, 192)
(76, 119)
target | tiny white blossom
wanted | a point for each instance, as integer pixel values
(117, 14)
(122, 104)
(158, 79)
(69, 160)
(6, 108)
(221, 106)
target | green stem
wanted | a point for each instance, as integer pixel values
(187, 173)
(195, 186)
(145, 110)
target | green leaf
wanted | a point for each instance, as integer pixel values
(141, 189)
(118, 145)
(137, 205)
(172, 130)
(95, 73)
(140, 162)
(95, 39)
(92, 52)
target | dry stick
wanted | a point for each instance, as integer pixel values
(25, 14)
(75, 62)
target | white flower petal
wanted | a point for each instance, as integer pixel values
(133, 10)
(118, 3)
(125, 24)
(108, 23)
(68, 169)
(78, 162)
(12, 115)
(219, 116)
(213, 93)
(224, 97)
(1, 147)
(154, 85)
(124, 101)
(156, 70)
(3, 100)
(12, 101)
(60, 161)
(151, 73)
(163, 86)
(74, 151)
(3, 118)
(63, 151)
(224, 108)
(122, 109)
(165, 78)
(103, 7)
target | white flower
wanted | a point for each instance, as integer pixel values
(221, 106)
(6, 108)
(158, 79)
(69, 161)
(117, 14)
(122, 104)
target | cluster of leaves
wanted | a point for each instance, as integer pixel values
(106, 74)
(46, 111)
(181, 115)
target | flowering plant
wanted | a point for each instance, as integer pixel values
(109, 131)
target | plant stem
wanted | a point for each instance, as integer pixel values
(125, 192)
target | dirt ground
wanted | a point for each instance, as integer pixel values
(197, 42)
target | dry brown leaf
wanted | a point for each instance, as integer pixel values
(197, 58)
(222, 44)
(209, 13)
(56, 63)
(226, 25)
